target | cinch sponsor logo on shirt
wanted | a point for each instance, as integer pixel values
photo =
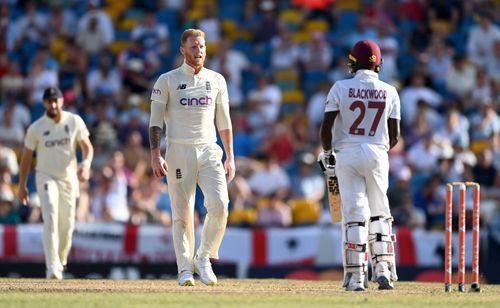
(55, 143)
(157, 91)
(367, 93)
(202, 101)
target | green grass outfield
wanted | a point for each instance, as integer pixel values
(75, 293)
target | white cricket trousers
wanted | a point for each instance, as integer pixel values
(58, 203)
(187, 166)
(363, 174)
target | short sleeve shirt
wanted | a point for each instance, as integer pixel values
(190, 100)
(364, 103)
(55, 144)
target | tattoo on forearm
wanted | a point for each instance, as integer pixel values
(155, 137)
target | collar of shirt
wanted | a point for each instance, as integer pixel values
(186, 68)
(366, 73)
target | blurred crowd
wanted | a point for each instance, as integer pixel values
(280, 58)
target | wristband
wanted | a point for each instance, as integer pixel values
(85, 163)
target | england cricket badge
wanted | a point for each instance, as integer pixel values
(208, 87)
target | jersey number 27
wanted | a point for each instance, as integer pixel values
(378, 106)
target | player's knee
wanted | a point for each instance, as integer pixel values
(217, 208)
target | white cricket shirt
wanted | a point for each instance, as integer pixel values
(365, 103)
(190, 101)
(55, 144)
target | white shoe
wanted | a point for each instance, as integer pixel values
(383, 276)
(203, 268)
(356, 282)
(186, 279)
(54, 275)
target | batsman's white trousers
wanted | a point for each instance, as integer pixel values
(58, 203)
(363, 174)
(187, 166)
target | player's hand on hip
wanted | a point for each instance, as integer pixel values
(83, 172)
(327, 161)
(22, 194)
(230, 169)
(159, 166)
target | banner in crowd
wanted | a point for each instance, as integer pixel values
(311, 245)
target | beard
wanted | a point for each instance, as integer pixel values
(52, 113)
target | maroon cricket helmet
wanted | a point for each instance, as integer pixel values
(365, 55)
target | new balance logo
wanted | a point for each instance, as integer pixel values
(181, 86)
(178, 174)
(46, 133)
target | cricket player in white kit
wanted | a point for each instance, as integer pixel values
(364, 113)
(190, 99)
(54, 137)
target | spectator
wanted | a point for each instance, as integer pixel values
(61, 23)
(316, 109)
(411, 94)
(231, 64)
(308, 183)
(102, 19)
(136, 157)
(455, 130)
(389, 48)
(269, 178)
(104, 80)
(11, 132)
(8, 213)
(423, 156)
(484, 124)
(73, 68)
(274, 213)
(270, 96)
(20, 113)
(210, 23)
(481, 41)
(484, 172)
(267, 27)
(461, 77)
(30, 31)
(317, 53)
(438, 63)
(153, 34)
(8, 160)
(41, 76)
(493, 67)
(92, 39)
(285, 53)
(109, 198)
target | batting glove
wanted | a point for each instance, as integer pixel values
(326, 161)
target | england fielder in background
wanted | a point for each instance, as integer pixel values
(188, 99)
(364, 113)
(54, 137)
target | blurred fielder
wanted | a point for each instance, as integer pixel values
(188, 99)
(54, 137)
(364, 113)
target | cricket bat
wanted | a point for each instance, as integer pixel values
(334, 198)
